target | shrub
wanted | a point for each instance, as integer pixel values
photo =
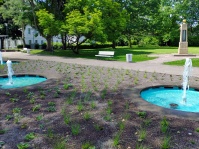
(43, 46)
(36, 46)
(148, 40)
(20, 46)
(57, 46)
(27, 46)
(193, 41)
(94, 46)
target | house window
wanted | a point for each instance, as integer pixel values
(28, 30)
(29, 42)
(36, 41)
(42, 41)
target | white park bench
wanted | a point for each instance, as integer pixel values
(26, 50)
(105, 54)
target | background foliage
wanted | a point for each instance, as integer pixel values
(121, 22)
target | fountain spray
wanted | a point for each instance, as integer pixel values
(10, 71)
(186, 74)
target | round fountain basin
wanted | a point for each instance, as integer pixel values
(171, 97)
(13, 62)
(21, 81)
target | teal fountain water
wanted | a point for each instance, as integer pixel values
(178, 98)
(16, 81)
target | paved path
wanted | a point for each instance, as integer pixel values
(149, 66)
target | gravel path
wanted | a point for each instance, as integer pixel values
(155, 65)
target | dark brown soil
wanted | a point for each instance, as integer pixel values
(96, 101)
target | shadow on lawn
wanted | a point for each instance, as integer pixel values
(120, 53)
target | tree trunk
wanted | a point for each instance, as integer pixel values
(32, 4)
(22, 36)
(1, 43)
(49, 44)
(113, 44)
(76, 48)
(129, 39)
(63, 39)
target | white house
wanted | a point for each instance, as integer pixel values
(32, 37)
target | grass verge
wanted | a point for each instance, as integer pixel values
(195, 62)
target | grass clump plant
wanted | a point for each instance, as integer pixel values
(50, 133)
(17, 114)
(80, 106)
(116, 139)
(87, 145)
(51, 109)
(98, 127)
(142, 135)
(16, 110)
(59, 143)
(164, 125)
(93, 104)
(87, 116)
(197, 129)
(67, 118)
(8, 93)
(107, 117)
(14, 99)
(166, 142)
(141, 114)
(75, 129)
(39, 117)
(9, 117)
(30, 95)
(36, 107)
(141, 146)
(2, 131)
(51, 103)
(30, 136)
(147, 122)
(66, 86)
(23, 145)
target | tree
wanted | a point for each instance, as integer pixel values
(171, 14)
(49, 25)
(114, 18)
(86, 24)
(141, 16)
(53, 7)
(18, 12)
(83, 19)
(188, 10)
(166, 22)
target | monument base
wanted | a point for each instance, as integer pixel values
(185, 55)
(183, 48)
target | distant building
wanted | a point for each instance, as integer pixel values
(32, 37)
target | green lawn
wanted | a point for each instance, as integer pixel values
(139, 53)
(195, 62)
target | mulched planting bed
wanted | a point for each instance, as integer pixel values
(89, 107)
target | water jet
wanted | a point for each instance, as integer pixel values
(182, 98)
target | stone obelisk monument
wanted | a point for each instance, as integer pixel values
(183, 44)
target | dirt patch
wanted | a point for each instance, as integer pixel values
(87, 106)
